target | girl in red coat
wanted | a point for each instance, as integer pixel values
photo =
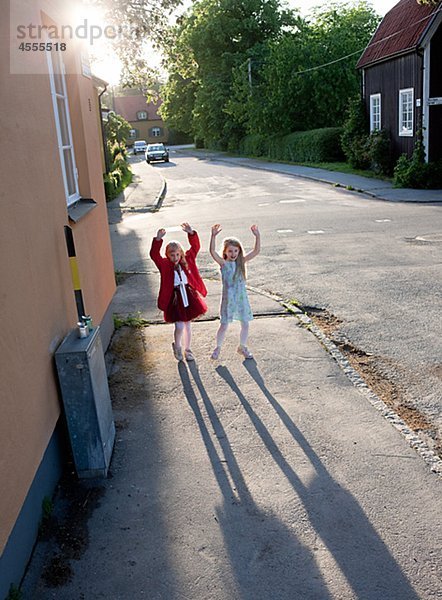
(181, 287)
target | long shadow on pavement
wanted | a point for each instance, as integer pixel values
(267, 560)
(336, 516)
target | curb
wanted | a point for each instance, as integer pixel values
(429, 456)
(371, 194)
(161, 195)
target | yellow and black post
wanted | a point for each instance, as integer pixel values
(74, 271)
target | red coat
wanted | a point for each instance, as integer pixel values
(166, 269)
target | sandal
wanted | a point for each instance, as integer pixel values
(244, 351)
(177, 352)
(189, 355)
(215, 353)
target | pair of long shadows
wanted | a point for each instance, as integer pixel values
(285, 565)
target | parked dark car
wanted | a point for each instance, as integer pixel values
(156, 152)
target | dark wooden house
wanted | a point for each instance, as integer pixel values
(402, 77)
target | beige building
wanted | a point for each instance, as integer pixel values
(52, 177)
(143, 117)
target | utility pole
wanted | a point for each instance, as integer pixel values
(249, 71)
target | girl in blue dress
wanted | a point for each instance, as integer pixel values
(234, 303)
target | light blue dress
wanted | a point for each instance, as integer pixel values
(234, 303)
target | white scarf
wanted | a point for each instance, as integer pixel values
(180, 280)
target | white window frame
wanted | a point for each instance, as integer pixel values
(375, 115)
(132, 134)
(156, 131)
(406, 128)
(142, 115)
(69, 146)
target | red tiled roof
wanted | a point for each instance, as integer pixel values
(128, 106)
(400, 30)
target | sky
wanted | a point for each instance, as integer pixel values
(106, 66)
(381, 6)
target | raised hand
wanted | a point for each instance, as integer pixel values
(161, 233)
(254, 229)
(216, 229)
(187, 228)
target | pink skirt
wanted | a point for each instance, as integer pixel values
(176, 311)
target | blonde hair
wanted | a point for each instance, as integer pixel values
(173, 245)
(240, 264)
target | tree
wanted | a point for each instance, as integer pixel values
(306, 76)
(213, 39)
(137, 21)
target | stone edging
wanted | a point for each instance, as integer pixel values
(430, 457)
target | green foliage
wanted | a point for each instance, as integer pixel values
(317, 145)
(255, 144)
(211, 41)
(130, 321)
(289, 91)
(379, 152)
(414, 172)
(116, 129)
(355, 134)
(119, 174)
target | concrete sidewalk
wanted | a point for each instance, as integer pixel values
(240, 480)
(377, 188)
(144, 194)
(261, 479)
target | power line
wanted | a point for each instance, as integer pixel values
(371, 45)
(388, 37)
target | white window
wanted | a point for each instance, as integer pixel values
(156, 131)
(142, 115)
(406, 106)
(132, 134)
(375, 112)
(63, 125)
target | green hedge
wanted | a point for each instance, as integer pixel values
(317, 145)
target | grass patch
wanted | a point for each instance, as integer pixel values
(130, 321)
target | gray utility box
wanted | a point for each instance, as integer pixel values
(87, 404)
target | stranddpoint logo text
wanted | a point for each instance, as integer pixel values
(82, 31)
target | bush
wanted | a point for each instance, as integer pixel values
(317, 145)
(355, 136)
(255, 144)
(379, 152)
(414, 172)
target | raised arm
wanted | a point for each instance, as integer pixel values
(256, 250)
(155, 248)
(213, 253)
(193, 238)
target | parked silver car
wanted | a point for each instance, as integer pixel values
(156, 152)
(139, 146)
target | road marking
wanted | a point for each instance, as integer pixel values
(383, 220)
(264, 204)
(290, 201)
(284, 231)
(316, 232)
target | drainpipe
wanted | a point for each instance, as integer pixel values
(103, 135)
(424, 53)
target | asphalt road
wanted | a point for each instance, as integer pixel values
(375, 265)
